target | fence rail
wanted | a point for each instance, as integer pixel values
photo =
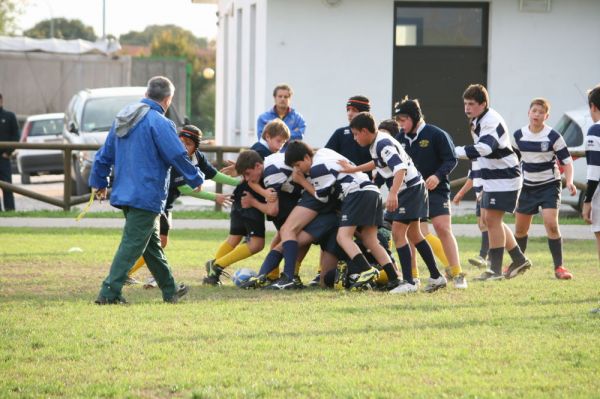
(68, 200)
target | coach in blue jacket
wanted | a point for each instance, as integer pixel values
(141, 147)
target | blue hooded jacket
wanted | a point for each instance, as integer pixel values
(142, 145)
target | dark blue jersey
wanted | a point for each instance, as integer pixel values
(263, 150)
(432, 152)
(342, 142)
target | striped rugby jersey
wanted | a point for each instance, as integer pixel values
(278, 175)
(389, 157)
(328, 181)
(592, 152)
(475, 175)
(539, 152)
(499, 164)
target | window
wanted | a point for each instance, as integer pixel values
(570, 131)
(46, 127)
(438, 26)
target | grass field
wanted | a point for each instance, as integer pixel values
(531, 337)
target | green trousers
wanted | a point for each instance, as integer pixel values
(140, 237)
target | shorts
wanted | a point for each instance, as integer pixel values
(500, 200)
(240, 225)
(413, 204)
(362, 208)
(166, 223)
(287, 203)
(439, 203)
(320, 226)
(596, 212)
(532, 198)
(310, 202)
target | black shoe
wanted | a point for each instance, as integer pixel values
(102, 300)
(514, 269)
(392, 284)
(181, 291)
(255, 282)
(213, 277)
(315, 281)
(285, 283)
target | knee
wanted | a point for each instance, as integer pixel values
(552, 229)
(256, 245)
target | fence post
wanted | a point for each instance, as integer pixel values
(219, 186)
(67, 179)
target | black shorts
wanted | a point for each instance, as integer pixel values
(362, 208)
(320, 226)
(413, 205)
(166, 223)
(439, 203)
(500, 200)
(310, 202)
(546, 196)
(240, 225)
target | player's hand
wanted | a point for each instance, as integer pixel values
(272, 195)
(586, 212)
(223, 200)
(572, 189)
(229, 169)
(247, 200)
(347, 167)
(298, 176)
(391, 204)
(100, 193)
(432, 182)
(198, 189)
(457, 198)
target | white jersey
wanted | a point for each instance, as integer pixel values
(499, 164)
(539, 153)
(475, 175)
(278, 175)
(328, 181)
(389, 157)
(592, 152)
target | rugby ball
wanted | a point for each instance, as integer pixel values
(242, 275)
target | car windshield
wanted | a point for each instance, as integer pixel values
(99, 113)
(46, 127)
(570, 131)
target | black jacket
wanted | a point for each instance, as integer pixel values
(9, 129)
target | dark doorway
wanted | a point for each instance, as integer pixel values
(439, 49)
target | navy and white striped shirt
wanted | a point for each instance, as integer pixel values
(278, 176)
(499, 164)
(539, 152)
(389, 157)
(475, 175)
(328, 181)
(592, 152)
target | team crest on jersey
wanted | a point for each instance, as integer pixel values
(590, 143)
(545, 145)
(424, 143)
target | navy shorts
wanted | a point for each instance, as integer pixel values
(413, 205)
(310, 202)
(362, 208)
(439, 203)
(240, 225)
(166, 223)
(287, 203)
(546, 196)
(500, 200)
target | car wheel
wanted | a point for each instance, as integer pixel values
(25, 178)
(78, 186)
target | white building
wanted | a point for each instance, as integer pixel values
(329, 50)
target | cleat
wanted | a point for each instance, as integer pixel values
(595, 311)
(391, 285)
(102, 300)
(435, 284)
(363, 279)
(514, 269)
(489, 275)
(254, 282)
(181, 291)
(150, 283)
(208, 266)
(479, 262)
(285, 283)
(460, 281)
(214, 274)
(315, 282)
(130, 281)
(405, 288)
(562, 274)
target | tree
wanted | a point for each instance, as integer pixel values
(146, 37)
(68, 29)
(9, 9)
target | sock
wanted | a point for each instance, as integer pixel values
(223, 250)
(290, 254)
(138, 265)
(496, 255)
(516, 254)
(297, 268)
(271, 263)
(522, 242)
(414, 271)
(455, 270)
(436, 246)
(358, 264)
(485, 245)
(240, 252)
(555, 246)
(427, 255)
(274, 274)
(404, 255)
(390, 271)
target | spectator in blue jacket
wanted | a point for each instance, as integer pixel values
(282, 95)
(141, 148)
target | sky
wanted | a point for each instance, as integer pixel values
(123, 16)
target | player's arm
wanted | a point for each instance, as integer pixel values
(391, 203)
(221, 199)
(564, 158)
(463, 191)
(485, 145)
(269, 208)
(349, 167)
(299, 178)
(269, 194)
(445, 149)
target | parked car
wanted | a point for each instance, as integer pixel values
(573, 126)
(44, 128)
(89, 117)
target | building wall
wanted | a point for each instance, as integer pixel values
(329, 53)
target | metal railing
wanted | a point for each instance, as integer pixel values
(69, 200)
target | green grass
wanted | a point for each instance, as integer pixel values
(531, 337)
(205, 214)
